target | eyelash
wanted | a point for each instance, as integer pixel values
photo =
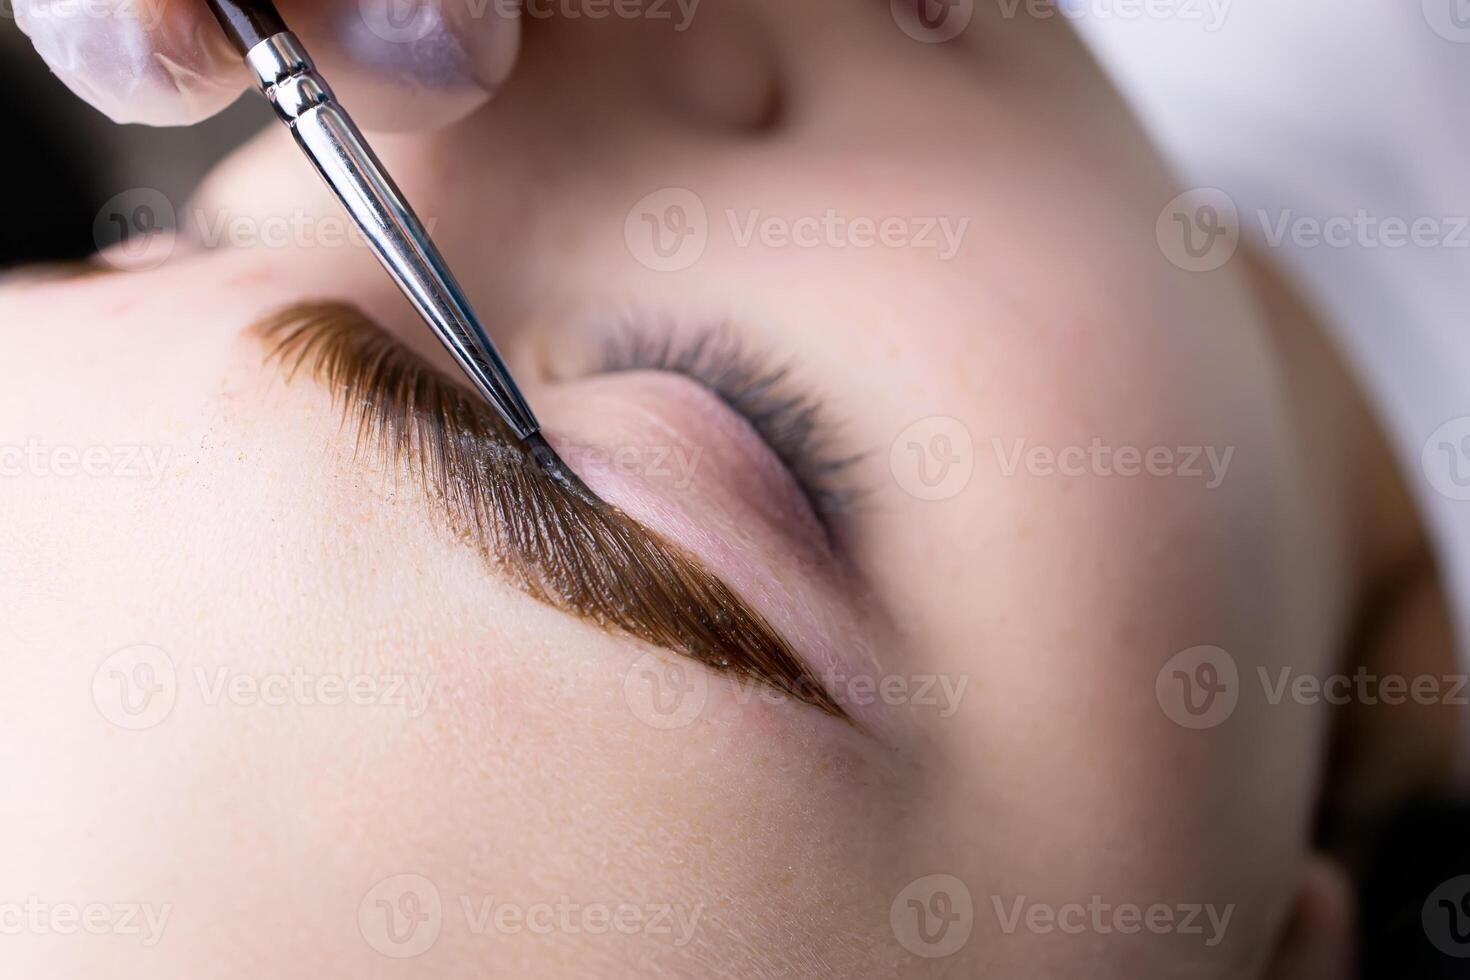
(568, 550)
(790, 422)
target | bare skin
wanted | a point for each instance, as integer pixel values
(532, 776)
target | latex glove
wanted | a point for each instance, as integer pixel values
(395, 64)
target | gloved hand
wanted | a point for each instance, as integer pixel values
(395, 64)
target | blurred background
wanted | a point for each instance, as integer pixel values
(68, 160)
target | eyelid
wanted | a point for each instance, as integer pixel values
(583, 557)
(790, 421)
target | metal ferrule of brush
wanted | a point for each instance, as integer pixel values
(305, 103)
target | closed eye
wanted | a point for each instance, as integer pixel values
(788, 420)
(568, 550)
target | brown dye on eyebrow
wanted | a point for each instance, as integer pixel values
(551, 537)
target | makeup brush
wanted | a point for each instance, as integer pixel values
(336, 147)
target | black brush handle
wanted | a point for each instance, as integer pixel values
(247, 22)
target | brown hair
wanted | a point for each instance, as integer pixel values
(556, 541)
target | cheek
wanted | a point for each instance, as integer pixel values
(505, 799)
(681, 819)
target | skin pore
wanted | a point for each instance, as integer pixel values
(998, 649)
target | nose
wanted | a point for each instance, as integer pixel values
(527, 194)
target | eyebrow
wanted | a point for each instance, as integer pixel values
(564, 548)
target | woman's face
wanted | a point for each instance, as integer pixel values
(263, 688)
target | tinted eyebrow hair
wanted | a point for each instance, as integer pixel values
(564, 548)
